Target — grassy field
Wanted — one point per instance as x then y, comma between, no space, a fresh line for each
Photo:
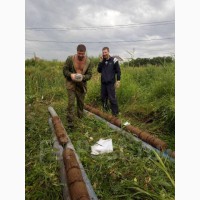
146,99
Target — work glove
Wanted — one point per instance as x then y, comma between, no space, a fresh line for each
117,84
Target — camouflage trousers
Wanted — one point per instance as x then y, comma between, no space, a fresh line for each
76,94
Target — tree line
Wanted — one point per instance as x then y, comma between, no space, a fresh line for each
138,62
156,61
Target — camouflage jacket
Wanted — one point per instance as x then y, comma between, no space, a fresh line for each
69,69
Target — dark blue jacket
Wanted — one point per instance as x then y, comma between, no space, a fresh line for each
108,69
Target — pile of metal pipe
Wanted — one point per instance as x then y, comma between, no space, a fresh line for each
144,136
78,185
59,130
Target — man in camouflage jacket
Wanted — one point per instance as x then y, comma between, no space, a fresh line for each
77,71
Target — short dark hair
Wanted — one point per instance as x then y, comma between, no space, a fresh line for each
106,48
81,47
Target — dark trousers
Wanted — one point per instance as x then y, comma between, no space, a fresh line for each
108,93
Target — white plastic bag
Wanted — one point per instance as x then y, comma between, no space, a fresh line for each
126,123
102,146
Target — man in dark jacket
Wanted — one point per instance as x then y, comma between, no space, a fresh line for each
77,71
110,79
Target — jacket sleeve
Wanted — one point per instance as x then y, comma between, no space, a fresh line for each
88,74
66,68
117,70
99,69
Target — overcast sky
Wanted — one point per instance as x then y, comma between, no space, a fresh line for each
130,28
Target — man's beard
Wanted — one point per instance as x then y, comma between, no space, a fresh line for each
80,58
105,57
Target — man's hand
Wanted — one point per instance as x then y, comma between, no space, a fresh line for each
101,58
117,84
73,77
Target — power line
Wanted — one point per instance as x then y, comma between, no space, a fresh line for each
101,27
136,51
98,41
149,49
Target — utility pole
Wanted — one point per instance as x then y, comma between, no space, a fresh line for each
131,53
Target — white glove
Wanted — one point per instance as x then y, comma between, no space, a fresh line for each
117,84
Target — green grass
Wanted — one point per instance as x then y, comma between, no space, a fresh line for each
129,172
145,94
118,175
42,179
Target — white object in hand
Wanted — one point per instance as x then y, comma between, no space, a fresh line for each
78,77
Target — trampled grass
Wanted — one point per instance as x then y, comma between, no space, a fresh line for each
119,175
127,173
146,98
